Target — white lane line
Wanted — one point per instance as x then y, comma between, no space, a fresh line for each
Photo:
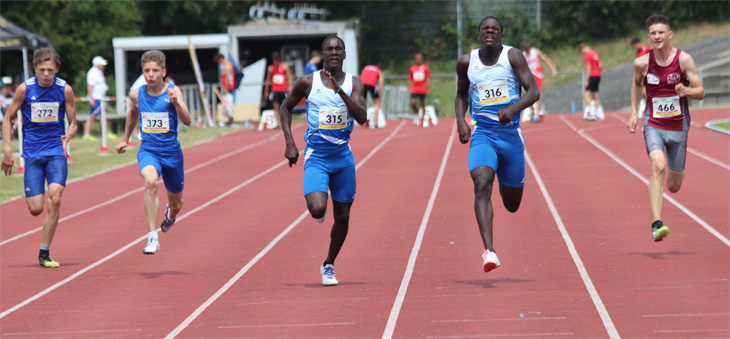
287,325
567,122
266,249
139,189
504,335
74,332
138,240
646,182
694,151
498,319
605,317
684,315
398,304
725,330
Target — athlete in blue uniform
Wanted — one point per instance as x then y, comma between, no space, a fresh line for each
334,100
44,101
490,82
157,106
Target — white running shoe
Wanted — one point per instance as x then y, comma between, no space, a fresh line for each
320,220
490,260
166,222
328,275
153,245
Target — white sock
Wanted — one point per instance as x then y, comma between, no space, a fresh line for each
152,235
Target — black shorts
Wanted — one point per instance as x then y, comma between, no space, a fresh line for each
593,84
418,96
372,90
277,97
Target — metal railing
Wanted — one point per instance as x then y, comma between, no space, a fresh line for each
191,95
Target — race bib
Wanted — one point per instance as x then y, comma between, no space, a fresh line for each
332,117
158,122
652,79
493,92
278,79
664,107
419,76
44,111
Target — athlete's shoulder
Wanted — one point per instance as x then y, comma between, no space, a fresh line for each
60,82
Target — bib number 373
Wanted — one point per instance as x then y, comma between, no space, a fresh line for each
44,111
332,117
157,122
664,107
493,92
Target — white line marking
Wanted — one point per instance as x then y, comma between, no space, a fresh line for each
684,315
113,200
605,317
529,335
289,325
75,332
266,250
497,319
708,158
693,331
646,182
140,239
395,311
567,122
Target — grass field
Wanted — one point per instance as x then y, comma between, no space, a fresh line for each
613,53
724,126
89,161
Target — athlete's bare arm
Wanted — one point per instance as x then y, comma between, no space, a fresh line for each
697,92
176,99
381,82
301,89
547,60
461,102
10,114
132,120
70,106
641,65
267,84
532,94
355,102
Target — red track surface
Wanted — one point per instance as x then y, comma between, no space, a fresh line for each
241,225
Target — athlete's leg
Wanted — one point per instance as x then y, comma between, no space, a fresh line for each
174,200
511,197
276,113
676,154
339,229
55,191
317,204
414,107
674,180
151,202
376,103
422,99
89,123
35,204
658,171
483,178
597,99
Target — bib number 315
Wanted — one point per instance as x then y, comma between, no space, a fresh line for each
333,117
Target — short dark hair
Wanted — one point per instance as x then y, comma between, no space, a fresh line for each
217,57
657,19
635,40
330,37
275,55
46,54
501,28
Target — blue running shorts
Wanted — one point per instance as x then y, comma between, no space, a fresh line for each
502,149
168,163
95,109
333,168
52,168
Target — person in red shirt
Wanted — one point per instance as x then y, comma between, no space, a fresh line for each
279,82
593,69
671,79
419,81
641,49
372,80
228,81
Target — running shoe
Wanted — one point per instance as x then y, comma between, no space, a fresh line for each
320,220
660,233
89,138
490,260
328,275
166,222
46,261
111,136
153,245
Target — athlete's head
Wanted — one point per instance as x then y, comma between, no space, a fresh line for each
316,57
583,48
636,43
46,63
659,31
153,67
490,31
418,58
218,58
333,52
275,57
526,46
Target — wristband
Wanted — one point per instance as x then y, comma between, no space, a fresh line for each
338,90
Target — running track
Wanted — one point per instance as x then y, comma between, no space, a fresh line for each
242,261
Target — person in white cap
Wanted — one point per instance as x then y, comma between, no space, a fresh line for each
96,86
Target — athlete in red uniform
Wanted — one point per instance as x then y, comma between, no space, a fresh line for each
641,49
593,70
533,56
419,81
373,80
278,83
671,78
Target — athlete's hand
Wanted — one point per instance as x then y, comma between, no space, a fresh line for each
632,122
506,114
333,83
64,141
120,147
8,163
173,96
464,131
555,73
681,89
291,153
